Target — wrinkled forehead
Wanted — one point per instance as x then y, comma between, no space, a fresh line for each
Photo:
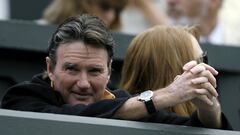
80,49
84,43
81,46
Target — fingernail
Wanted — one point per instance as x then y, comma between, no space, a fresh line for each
192,71
184,67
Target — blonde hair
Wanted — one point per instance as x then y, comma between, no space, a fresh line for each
59,10
155,57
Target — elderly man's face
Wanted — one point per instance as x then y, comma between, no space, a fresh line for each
81,72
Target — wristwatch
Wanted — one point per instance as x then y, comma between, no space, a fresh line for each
146,97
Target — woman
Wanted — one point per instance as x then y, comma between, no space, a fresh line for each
156,56
108,10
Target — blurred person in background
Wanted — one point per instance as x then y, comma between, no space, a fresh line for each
204,13
108,10
140,15
4,10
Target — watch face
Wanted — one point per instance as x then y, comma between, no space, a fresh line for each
146,96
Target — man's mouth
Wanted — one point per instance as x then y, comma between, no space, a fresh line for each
82,95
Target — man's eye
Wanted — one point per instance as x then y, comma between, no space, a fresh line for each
96,71
71,69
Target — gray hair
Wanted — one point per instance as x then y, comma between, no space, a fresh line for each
85,28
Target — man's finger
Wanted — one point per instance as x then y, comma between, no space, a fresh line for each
205,99
210,89
197,69
189,65
199,80
210,77
192,64
211,69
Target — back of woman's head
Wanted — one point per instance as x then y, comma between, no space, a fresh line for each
155,57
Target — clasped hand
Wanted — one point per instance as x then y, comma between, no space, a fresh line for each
197,84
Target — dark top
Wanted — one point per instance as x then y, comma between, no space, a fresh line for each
38,96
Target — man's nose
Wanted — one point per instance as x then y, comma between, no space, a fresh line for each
83,81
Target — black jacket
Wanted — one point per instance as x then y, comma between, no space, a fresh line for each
38,96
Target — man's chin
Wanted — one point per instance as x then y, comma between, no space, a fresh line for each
84,102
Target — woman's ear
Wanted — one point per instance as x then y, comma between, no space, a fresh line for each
49,68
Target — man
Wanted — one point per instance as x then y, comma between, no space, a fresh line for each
79,68
205,14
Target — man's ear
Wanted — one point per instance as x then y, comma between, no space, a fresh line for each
109,69
49,68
